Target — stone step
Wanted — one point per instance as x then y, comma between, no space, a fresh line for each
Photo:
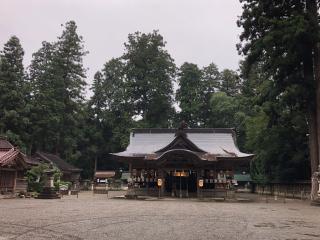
315,203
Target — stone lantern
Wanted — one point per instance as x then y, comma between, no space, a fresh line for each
48,191
315,191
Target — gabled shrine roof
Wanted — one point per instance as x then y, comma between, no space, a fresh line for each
10,156
56,160
5,144
217,142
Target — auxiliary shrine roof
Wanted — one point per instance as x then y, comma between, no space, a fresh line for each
55,160
207,143
9,155
5,145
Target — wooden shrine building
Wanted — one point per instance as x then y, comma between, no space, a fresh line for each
13,165
70,173
182,162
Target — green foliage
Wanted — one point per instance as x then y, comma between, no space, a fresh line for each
282,157
36,176
109,112
211,78
132,91
230,82
150,72
224,109
189,94
279,38
277,42
14,107
210,83
57,76
62,185
276,131
196,88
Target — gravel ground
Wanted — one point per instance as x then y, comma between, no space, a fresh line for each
97,217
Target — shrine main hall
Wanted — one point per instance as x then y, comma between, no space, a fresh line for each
184,162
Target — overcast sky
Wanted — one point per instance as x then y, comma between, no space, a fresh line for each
198,31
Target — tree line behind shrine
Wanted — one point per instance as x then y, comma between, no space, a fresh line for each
43,107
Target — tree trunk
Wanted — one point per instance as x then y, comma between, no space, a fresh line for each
312,111
314,187
317,80
315,162
313,141
95,165
312,12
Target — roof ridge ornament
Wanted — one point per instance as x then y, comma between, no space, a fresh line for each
181,129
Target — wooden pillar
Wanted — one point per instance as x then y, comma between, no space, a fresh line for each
198,178
95,165
146,179
180,191
187,182
15,181
162,176
130,169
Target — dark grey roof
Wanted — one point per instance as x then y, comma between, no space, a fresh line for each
217,141
4,144
32,161
187,130
57,161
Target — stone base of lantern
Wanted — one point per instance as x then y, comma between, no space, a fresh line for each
315,202
48,193
315,188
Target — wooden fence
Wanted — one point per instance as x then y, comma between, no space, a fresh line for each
299,190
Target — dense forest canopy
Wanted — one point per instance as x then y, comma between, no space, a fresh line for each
269,100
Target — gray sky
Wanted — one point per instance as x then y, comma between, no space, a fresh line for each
198,31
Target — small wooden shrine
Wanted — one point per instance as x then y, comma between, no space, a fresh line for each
13,166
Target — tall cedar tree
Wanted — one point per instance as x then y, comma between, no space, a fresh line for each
118,103
283,35
189,95
110,112
196,87
14,94
44,114
150,72
210,83
230,82
93,141
275,131
110,105
58,75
